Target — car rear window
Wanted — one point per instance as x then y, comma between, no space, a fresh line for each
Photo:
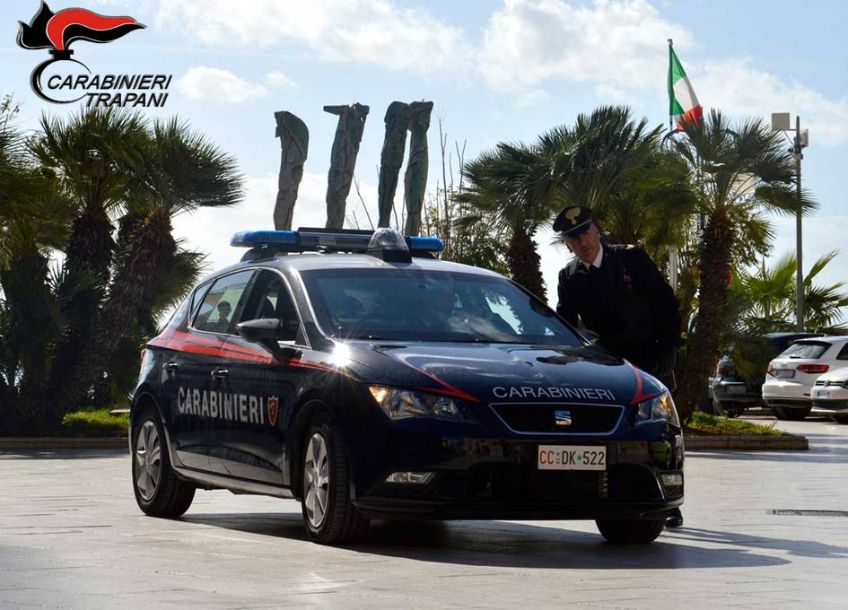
805,349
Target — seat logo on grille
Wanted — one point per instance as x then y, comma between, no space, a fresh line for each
562,418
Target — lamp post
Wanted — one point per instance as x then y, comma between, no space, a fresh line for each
780,122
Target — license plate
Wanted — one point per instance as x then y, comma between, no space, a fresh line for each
821,393
571,457
784,373
736,389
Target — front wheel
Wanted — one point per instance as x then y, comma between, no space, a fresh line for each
630,531
331,517
791,413
158,491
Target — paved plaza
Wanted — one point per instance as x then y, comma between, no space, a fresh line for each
72,537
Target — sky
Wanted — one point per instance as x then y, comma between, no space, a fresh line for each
496,71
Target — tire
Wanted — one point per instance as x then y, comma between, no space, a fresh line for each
329,513
158,491
630,531
790,413
840,419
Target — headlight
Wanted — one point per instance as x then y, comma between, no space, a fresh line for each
402,404
658,409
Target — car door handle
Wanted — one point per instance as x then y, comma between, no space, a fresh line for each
220,373
171,367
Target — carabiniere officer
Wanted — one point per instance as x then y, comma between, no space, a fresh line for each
618,293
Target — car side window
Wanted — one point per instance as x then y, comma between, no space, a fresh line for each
270,298
217,311
843,353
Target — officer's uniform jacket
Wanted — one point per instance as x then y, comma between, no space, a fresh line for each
626,301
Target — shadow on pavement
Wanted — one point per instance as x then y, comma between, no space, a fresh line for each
521,545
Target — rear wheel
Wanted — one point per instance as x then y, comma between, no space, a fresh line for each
158,491
840,419
630,531
791,413
331,517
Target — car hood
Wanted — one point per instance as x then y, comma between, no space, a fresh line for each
507,373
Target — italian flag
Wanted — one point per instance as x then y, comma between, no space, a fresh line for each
683,103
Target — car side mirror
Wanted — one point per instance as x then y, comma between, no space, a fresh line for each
261,330
267,332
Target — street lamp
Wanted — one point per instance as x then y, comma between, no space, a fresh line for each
780,122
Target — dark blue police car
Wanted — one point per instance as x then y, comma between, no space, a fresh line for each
368,379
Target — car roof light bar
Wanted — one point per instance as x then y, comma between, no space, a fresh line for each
312,239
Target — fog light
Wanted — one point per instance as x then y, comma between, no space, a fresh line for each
410,478
672,479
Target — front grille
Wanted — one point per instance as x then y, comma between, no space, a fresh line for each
541,418
820,382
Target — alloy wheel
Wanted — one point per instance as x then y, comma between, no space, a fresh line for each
148,460
316,480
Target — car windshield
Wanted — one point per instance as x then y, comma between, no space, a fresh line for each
805,349
419,305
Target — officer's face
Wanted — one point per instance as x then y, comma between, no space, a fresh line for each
586,245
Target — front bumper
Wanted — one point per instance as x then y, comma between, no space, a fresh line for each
499,479
830,406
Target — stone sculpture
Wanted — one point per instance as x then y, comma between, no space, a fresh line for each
294,142
343,159
391,159
415,179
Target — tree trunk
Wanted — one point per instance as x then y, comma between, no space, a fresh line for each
702,349
524,262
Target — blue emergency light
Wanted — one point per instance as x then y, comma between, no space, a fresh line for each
388,244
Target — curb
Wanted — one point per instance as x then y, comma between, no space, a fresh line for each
63,442
785,442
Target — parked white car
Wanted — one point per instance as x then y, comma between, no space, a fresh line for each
790,376
830,395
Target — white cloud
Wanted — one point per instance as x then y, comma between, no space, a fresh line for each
209,229
738,88
218,86
369,31
279,80
613,43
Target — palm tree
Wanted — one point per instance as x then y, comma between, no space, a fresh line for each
613,164
173,171
511,189
768,295
84,153
33,217
745,171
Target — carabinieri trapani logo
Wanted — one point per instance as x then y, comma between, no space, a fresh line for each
63,80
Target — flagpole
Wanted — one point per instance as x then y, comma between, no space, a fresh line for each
673,261
670,117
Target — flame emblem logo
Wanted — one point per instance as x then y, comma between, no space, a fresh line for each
572,215
273,409
57,31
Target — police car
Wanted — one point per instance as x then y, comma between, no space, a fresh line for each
365,377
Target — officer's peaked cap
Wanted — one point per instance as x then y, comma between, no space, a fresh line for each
573,220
